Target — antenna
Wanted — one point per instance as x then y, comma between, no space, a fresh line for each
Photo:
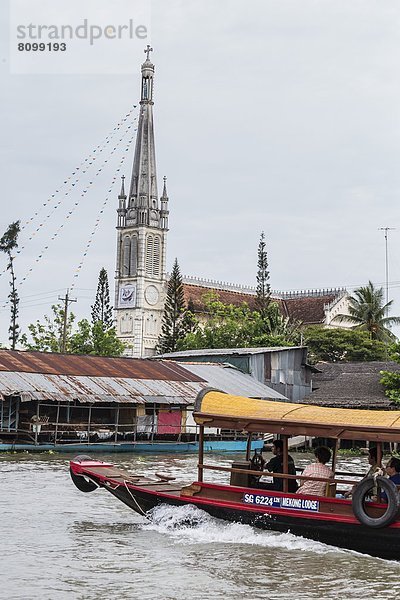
386,229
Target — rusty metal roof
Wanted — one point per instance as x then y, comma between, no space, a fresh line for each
171,383
92,366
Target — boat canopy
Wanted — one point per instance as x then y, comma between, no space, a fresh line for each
214,408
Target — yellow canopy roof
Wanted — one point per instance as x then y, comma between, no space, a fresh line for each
217,409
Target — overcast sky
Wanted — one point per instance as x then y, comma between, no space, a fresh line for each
280,116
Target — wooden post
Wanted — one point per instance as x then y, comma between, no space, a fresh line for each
201,453
116,424
88,424
135,426
285,440
154,423
248,447
57,420
335,454
37,423
379,453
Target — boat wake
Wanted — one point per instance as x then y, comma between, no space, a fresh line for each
191,525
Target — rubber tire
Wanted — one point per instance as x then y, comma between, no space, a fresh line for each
393,506
80,482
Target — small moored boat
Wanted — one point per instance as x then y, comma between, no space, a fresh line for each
365,523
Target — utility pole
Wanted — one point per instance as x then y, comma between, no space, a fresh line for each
67,301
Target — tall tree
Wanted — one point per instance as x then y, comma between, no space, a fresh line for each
48,336
230,326
102,309
86,338
177,321
340,344
367,313
263,287
8,243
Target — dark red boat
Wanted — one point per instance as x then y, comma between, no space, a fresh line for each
360,524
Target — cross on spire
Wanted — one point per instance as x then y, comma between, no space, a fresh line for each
147,51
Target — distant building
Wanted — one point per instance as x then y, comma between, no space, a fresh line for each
140,278
283,369
351,385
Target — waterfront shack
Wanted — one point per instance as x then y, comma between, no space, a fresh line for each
285,369
58,399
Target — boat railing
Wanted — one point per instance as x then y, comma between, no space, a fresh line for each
284,476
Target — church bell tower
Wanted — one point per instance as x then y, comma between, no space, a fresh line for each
142,225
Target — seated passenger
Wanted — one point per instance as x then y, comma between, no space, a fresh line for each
275,465
317,469
375,467
393,471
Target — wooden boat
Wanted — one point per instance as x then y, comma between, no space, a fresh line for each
360,524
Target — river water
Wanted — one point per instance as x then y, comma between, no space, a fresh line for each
58,543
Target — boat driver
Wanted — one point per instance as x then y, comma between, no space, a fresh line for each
275,465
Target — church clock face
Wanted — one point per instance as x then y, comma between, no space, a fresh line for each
151,294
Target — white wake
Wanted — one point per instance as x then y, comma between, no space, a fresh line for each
191,525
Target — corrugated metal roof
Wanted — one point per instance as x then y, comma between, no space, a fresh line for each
228,378
36,386
96,389
228,351
90,366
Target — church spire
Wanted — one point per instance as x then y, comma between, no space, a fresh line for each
164,212
143,195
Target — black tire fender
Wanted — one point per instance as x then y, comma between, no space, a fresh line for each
84,485
363,489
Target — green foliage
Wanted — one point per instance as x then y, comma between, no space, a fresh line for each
391,380
177,321
350,452
89,338
230,326
391,383
8,243
93,338
102,309
367,313
47,336
340,344
263,287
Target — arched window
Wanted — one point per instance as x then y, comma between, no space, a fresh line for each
156,256
133,257
126,256
149,255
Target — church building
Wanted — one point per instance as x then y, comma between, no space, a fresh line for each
142,225
141,279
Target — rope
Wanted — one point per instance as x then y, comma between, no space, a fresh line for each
141,511
84,192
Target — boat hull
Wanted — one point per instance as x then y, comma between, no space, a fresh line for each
327,520
382,543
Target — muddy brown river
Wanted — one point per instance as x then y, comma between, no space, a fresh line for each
58,543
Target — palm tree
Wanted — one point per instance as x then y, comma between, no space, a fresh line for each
367,312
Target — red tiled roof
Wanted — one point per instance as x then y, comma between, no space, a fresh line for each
195,294
307,309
